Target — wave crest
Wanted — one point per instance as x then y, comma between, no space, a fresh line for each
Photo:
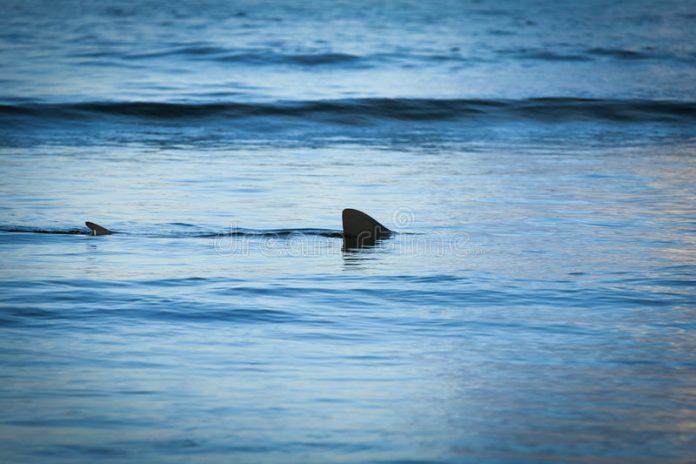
368,110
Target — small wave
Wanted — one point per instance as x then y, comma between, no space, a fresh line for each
620,54
44,230
594,54
362,111
266,57
202,50
272,233
324,58
545,55
307,59
249,57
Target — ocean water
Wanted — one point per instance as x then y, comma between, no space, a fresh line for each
537,161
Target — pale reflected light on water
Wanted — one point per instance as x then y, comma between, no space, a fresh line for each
552,313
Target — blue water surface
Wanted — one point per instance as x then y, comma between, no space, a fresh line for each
537,161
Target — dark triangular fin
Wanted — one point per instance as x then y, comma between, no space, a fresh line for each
359,229
96,229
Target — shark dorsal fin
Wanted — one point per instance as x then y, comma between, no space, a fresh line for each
362,227
96,229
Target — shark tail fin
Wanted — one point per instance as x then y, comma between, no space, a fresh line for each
96,229
360,229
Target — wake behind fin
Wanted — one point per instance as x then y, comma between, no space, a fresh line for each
96,229
360,229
